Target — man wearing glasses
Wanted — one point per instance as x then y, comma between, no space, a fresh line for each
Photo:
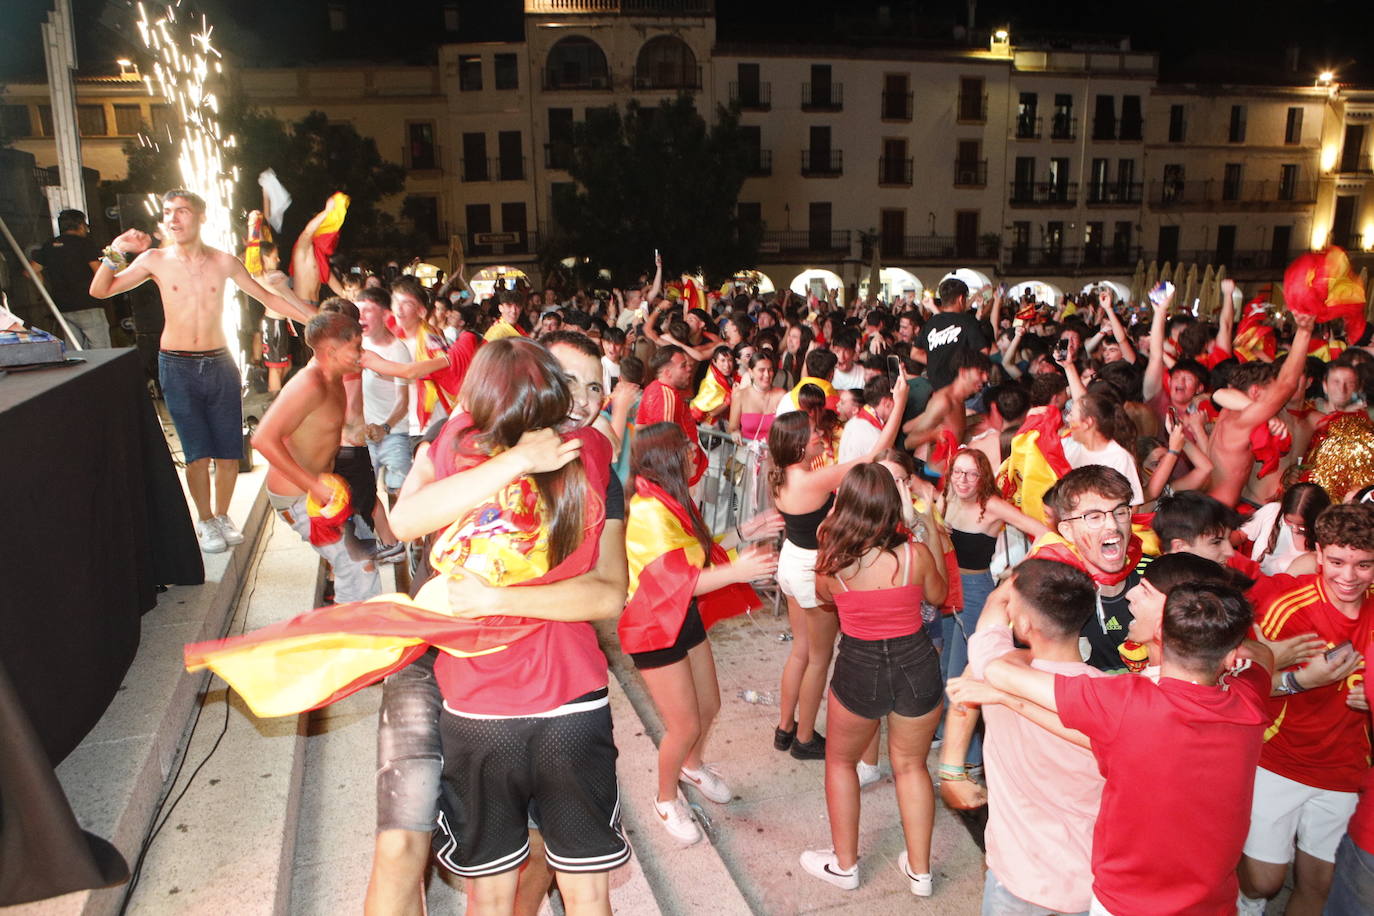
1093,508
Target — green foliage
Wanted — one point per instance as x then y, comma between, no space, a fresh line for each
654,178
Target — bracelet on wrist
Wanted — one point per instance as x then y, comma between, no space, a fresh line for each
1174,451
114,258
1290,682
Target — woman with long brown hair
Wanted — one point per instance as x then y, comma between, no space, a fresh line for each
877,575
803,495
670,548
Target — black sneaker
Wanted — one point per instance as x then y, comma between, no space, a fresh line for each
809,750
783,740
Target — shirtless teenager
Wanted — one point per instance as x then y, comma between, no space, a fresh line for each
299,436
1231,451
943,420
305,271
200,382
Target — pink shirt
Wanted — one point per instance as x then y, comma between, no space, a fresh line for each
1043,795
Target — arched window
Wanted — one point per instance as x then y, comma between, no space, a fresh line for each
576,62
666,62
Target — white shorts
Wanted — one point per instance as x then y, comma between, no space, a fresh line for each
797,574
1285,810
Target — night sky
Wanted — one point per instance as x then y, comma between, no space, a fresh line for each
1197,40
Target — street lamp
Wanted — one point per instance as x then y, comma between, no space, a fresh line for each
127,69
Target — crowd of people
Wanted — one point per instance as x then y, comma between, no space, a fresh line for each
1112,559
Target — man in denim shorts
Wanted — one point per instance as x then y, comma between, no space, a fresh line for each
200,381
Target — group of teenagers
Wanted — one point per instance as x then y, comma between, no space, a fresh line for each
1074,554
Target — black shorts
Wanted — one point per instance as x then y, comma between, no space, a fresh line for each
880,676
276,346
354,464
692,634
557,771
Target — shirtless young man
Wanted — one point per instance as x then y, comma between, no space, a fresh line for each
305,271
200,382
943,420
1231,451
299,436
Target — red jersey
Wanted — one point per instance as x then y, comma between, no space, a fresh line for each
1314,738
662,403
1362,824
1175,851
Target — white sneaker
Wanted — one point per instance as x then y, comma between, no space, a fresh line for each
231,534
821,863
921,885
677,819
209,536
868,774
709,783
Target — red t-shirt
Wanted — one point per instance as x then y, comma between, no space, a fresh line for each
1172,824
662,403
1314,738
1362,824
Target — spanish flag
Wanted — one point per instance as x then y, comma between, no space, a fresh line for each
326,654
438,389
1052,546
258,232
1035,462
665,559
326,237
714,392
1323,284
1254,338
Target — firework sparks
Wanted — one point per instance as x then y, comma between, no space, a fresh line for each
186,67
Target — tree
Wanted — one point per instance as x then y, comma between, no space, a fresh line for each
654,178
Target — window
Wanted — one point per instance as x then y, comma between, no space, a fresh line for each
1235,133
751,93
895,166
1023,185
1020,242
1173,183
758,164
163,121
506,71
128,120
1343,220
1125,181
1226,244
90,120
1279,245
896,97
1097,181
45,120
1230,181
1351,148
822,93
511,162
1027,123
1166,249
1121,241
577,62
1104,118
423,210
892,226
818,226
475,158
972,101
970,171
966,233
1093,234
666,62
1292,128
14,122
1288,182
451,17
420,146
338,17
1054,241
1132,125
1176,125
478,218
820,159
559,151
562,195
513,221
470,73
1063,127
1059,179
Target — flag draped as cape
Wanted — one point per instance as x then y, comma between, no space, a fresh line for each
326,237
714,392
1036,460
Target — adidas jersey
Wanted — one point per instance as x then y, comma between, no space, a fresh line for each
1313,737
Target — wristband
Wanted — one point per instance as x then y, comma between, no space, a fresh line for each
1290,682
116,268
1174,451
113,258
387,428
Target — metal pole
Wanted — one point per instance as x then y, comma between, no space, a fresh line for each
59,52
33,275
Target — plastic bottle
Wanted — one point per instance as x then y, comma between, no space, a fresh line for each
758,697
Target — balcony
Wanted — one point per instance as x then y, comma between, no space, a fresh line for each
789,241
489,243
1090,258
896,106
667,79
421,158
824,163
575,82
822,97
752,96
1044,194
973,109
1242,259
1028,127
494,169
1063,127
558,155
760,163
1114,194
622,7
936,248
894,171
970,173
1232,195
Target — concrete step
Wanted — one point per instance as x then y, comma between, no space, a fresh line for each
116,777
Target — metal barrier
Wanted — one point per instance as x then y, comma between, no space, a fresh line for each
734,489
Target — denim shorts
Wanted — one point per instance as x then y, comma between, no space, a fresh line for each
875,677
205,398
410,759
1352,888
391,459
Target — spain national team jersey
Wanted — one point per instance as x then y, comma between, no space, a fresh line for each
1313,737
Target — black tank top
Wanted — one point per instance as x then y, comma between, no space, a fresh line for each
973,549
801,529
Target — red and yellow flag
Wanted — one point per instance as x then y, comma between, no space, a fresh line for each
1323,284
437,390
665,559
1254,338
1035,462
713,393
326,237
1052,546
258,232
